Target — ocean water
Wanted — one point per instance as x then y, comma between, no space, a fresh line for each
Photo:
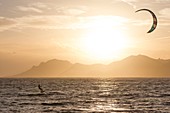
85,95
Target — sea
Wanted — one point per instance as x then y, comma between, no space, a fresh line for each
85,95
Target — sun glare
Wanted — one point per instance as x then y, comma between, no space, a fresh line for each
103,40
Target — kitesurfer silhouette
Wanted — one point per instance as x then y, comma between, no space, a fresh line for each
39,87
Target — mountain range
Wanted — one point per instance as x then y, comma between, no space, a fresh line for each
132,66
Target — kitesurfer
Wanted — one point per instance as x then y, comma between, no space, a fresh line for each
39,87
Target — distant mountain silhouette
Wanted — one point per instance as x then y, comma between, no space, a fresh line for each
132,66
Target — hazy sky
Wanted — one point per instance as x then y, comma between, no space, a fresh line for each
85,31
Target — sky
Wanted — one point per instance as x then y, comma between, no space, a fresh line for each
84,31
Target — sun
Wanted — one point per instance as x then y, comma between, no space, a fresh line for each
103,41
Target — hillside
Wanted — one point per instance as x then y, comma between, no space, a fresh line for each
132,66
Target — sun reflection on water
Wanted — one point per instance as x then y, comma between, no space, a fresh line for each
104,102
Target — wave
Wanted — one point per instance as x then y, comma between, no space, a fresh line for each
31,94
41,94
57,103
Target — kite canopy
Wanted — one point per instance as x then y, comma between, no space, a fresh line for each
154,19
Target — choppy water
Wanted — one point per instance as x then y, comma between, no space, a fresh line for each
85,96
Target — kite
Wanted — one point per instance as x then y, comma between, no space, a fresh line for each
154,19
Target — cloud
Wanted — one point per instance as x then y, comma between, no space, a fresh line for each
7,23
130,2
59,22
74,11
91,22
151,4
39,22
68,22
165,12
29,9
46,22
38,5
162,1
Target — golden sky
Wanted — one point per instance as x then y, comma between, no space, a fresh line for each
84,31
